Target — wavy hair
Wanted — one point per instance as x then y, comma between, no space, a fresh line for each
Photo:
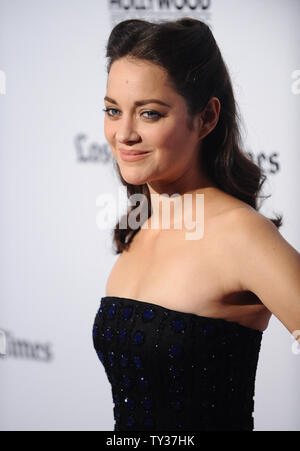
187,50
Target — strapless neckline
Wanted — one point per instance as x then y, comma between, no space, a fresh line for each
194,315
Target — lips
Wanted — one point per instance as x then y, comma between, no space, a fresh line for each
133,152
133,155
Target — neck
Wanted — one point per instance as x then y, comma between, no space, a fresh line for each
173,210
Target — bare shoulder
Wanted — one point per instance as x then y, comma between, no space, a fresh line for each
246,226
244,217
245,231
238,232
232,240
264,263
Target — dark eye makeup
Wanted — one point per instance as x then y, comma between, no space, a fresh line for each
154,114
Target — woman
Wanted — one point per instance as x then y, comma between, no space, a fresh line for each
180,327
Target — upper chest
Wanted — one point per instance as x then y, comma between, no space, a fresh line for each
160,267
193,276
168,269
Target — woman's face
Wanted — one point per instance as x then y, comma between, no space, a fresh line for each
144,113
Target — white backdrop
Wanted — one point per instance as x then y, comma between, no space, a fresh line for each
54,260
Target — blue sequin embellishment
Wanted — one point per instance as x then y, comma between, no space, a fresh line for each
130,420
175,371
174,350
127,312
147,403
111,357
95,331
108,334
208,330
124,360
178,424
139,337
112,311
183,356
178,325
148,422
127,381
123,335
100,355
138,362
149,314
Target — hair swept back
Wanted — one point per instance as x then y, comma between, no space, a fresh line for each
187,50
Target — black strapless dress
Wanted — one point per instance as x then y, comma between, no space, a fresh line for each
173,371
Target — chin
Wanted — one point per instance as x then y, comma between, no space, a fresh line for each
134,180
132,176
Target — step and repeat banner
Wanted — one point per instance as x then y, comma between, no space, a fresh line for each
55,163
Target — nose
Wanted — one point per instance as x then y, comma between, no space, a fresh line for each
126,131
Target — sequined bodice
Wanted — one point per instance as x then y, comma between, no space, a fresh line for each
171,370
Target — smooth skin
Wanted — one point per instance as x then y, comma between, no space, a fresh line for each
242,251
165,131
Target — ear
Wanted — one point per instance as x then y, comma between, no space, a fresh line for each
208,118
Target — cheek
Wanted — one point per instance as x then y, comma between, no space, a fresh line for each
108,130
170,137
109,133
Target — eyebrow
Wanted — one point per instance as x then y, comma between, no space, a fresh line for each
140,102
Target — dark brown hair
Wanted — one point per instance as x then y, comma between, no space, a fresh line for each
187,50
